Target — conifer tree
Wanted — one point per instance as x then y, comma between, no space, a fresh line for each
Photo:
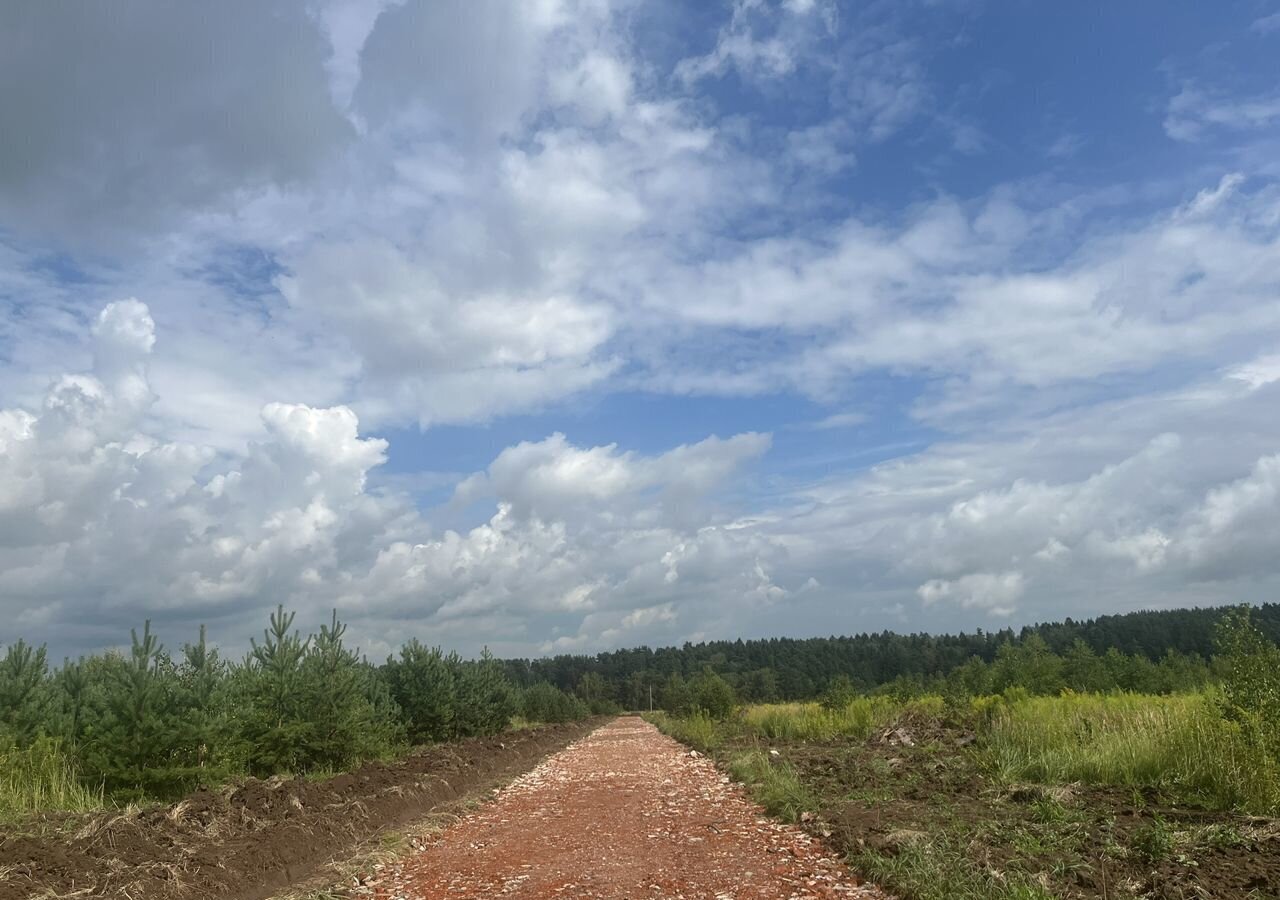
421,681
276,732
23,698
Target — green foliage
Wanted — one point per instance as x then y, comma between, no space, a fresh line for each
543,702
23,698
1251,681
421,682
143,726
840,693
712,695
1153,841
486,700
697,730
857,719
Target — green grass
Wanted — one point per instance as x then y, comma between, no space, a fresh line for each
773,783
698,731
812,722
41,778
937,868
1179,744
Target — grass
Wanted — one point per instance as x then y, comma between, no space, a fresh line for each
699,731
812,722
938,868
774,784
41,778
1179,744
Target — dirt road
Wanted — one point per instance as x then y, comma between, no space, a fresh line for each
623,813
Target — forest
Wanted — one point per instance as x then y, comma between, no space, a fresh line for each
1151,651
155,723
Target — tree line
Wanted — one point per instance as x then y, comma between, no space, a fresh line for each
156,723
150,723
1158,651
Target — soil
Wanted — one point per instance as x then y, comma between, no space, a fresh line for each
624,813
254,839
1075,841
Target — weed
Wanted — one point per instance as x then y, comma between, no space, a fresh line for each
1153,841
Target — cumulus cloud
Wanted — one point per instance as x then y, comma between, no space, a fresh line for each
101,517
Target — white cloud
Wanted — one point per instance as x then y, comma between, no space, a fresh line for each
1194,111
763,40
996,592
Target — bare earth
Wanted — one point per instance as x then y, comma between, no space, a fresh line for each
624,813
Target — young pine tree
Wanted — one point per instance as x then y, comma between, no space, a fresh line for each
339,690
421,682
24,698
275,729
200,721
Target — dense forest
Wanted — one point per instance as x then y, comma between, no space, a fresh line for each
153,723
1154,651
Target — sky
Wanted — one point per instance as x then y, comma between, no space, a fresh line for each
556,326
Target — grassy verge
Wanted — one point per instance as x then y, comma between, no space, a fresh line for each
40,778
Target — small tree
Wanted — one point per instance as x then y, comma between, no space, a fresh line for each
275,730
24,699
421,682
486,700
339,695
200,722
675,696
73,681
712,695
1251,681
840,693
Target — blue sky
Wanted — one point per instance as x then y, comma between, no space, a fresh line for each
573,324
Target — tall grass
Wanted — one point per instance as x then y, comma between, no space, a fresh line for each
1178,743
41,778
699,730
813,722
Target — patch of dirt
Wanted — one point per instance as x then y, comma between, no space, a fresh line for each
1077,841
253,839
624,813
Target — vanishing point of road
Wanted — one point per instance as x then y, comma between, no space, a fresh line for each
624,813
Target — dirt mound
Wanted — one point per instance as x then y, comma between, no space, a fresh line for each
251,840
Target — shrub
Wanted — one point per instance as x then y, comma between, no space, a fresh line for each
543,702
712,695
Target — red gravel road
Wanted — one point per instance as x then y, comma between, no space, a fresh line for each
624,813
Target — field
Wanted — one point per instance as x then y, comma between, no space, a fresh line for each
1076,796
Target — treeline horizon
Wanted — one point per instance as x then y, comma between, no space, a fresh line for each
152,723
783,668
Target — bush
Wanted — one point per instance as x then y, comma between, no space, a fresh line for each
1251,682
544,702
712,695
